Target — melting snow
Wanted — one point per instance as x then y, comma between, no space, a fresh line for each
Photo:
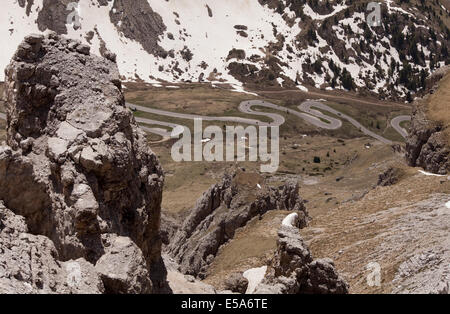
210,45
303,88
290,220
315,16
431,174
254,276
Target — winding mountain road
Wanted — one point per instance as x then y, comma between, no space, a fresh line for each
309,111
395,123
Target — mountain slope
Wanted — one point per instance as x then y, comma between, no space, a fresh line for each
265,43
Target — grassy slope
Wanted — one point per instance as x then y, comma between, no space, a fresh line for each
439,105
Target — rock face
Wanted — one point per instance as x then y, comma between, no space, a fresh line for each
77,167
169,227
223,209
389,177
426,145
29,263
136,20
293,270
53,16
123,268
236,282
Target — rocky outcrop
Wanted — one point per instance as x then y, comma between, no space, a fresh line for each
29,263
390,176
123,268
77,167
223,209
427,144
54,15
169,227
293,270
136,20
236,282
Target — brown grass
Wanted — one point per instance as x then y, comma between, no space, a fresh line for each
346,235
193,99
2,131
252,246
439,105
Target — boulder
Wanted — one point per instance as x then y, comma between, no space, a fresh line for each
123,268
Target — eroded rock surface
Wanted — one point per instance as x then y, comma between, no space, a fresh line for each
236,282
223,209
293,270
77,167
29,263
427,145
136,20
123,268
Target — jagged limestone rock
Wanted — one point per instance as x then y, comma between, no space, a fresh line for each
293,270
427,144
77,167
224,208
29,263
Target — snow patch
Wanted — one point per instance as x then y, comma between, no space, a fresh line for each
315,16
302,88
254,276
290,220
430,174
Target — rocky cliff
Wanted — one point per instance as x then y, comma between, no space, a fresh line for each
224,208
76,174
428,143
293,270
426,146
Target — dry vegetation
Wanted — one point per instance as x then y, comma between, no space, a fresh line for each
185,182
341,189
439,105
355,234
191,98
